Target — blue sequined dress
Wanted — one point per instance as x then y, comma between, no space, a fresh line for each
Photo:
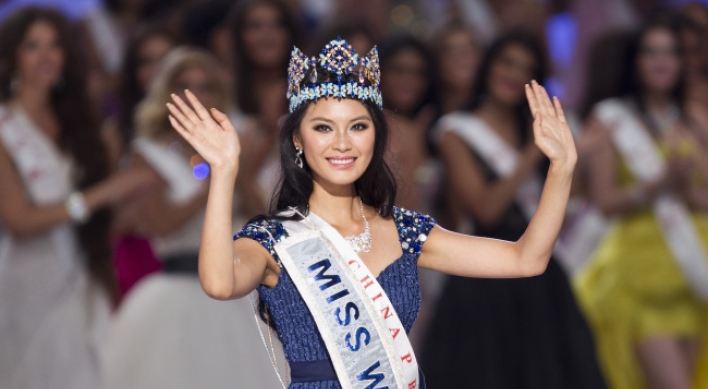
295,325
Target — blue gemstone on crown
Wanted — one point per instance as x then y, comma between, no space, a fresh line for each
339,59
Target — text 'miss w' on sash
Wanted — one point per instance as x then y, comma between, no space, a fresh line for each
363,334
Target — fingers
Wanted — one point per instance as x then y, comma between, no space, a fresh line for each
559,109
538,125
178,127
187,112
178,117
531,97
202,113
222,119
544,101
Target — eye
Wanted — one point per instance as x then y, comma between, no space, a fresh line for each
322,128
360,126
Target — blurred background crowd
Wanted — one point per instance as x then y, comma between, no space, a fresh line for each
106,295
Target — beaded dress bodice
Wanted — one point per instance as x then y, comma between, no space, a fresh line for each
292,319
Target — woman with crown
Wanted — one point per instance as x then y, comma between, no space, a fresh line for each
335,263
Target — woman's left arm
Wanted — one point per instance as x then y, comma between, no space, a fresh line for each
470,256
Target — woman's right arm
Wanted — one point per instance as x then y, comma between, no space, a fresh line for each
22,219
227,269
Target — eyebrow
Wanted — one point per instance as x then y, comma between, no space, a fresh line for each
331,121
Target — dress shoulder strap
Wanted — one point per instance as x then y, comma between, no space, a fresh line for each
265,231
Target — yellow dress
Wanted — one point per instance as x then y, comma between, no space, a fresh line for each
632,289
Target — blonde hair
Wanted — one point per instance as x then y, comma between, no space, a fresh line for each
151,115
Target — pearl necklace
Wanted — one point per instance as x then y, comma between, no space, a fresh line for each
361,242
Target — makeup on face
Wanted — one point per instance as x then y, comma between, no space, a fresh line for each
337,138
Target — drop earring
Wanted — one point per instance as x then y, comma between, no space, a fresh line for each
298,157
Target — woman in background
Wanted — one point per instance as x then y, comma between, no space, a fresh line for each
411,103
264,32
148,45
146,49
645,314
168,333
458,54
206,25
515,334
56,279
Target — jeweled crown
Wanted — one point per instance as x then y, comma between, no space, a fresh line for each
337,60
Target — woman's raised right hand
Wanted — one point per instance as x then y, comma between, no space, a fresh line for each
212,135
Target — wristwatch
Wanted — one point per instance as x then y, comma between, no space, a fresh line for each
76,207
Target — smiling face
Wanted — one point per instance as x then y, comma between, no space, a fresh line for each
40,56
337,138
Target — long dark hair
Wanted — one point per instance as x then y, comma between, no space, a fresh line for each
605,63
79,121
630,85
480,91
245,68
130,92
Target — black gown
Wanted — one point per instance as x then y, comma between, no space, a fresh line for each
522,333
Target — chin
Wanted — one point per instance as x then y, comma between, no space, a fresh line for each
510,100
664,87
338,179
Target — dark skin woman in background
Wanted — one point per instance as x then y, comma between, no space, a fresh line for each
514,334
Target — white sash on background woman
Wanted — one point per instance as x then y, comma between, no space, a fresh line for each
495,152
52,317
572,249
640,153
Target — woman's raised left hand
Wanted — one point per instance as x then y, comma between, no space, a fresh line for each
551,132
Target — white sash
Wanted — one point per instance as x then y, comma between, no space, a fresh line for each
638,150
495,152
365,339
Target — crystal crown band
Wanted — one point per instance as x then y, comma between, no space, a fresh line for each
337,60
